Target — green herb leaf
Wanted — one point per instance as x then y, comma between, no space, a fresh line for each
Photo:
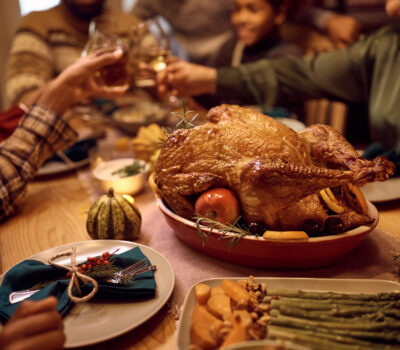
185,121
135,168
234,232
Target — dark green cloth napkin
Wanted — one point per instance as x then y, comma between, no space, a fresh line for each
376,149
77,152
30,272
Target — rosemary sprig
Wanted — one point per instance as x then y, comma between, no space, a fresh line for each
185,121
133,169
103,272
234,232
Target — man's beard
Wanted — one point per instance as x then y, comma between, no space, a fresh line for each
84,12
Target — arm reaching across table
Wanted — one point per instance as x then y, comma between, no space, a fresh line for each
42,131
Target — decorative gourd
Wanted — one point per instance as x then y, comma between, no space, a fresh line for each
114,217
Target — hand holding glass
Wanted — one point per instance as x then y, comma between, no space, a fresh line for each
150,51
114,77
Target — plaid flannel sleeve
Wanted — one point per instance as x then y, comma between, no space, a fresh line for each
40,133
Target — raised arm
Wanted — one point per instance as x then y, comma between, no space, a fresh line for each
42,131
338,75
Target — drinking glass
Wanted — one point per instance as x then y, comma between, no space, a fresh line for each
150,50
103,37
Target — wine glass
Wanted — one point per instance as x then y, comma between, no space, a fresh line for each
150,51
104,37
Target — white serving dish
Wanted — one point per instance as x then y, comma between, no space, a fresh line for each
123,185
367,286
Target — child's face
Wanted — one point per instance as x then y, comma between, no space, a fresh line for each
254,20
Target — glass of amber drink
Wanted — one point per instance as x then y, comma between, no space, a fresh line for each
102,39
150,51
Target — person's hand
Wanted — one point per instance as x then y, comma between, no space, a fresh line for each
36,325
393,8
76,82
184,78
343,30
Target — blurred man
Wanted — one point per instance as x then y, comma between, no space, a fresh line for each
84,10
48,41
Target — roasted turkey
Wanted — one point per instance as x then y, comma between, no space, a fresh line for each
275,172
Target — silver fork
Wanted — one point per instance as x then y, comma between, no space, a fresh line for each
133,270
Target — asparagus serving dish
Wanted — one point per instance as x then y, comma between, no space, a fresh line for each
311,313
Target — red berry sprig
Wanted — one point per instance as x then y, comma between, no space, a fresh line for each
92,262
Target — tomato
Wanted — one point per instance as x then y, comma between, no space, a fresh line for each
219,204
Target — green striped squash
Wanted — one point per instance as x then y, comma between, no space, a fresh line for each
114,217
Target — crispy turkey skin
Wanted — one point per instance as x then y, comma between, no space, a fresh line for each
275,172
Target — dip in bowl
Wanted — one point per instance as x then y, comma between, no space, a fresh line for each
125,175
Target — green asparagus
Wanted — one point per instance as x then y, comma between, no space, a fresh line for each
329,320
326,341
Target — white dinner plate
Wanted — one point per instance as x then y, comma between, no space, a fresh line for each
319,284
100,320
384,191
56,168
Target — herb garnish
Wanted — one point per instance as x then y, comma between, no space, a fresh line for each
133,169
185,122
234,232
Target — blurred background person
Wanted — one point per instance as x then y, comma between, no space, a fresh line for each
371,14
257,35
46,42
42,131
199,37
342,29
197,28
366,73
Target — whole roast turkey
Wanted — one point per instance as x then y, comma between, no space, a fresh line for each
275,172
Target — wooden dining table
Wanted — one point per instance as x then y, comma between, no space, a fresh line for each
53,213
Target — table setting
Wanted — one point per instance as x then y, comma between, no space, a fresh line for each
140,217
143,296
371,260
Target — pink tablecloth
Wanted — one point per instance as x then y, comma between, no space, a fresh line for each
371,260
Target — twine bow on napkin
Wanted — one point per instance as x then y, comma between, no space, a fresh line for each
31,272
75,277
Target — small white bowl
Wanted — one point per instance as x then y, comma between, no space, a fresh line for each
128,185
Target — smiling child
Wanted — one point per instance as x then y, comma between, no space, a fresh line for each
256,24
